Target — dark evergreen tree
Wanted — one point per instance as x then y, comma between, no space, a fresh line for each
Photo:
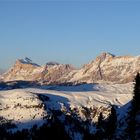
100,127
100,121
135,108
111,123
2,132
136,96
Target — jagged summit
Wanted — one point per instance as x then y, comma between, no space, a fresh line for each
103,56
106,54
26,60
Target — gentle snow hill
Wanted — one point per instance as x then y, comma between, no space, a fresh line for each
31,104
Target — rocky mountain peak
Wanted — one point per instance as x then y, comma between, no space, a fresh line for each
103,56
26,61
26,69
108,68
21,70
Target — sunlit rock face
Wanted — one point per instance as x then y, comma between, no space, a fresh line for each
25,69
105,68
108,68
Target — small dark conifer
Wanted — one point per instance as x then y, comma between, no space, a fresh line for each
135,108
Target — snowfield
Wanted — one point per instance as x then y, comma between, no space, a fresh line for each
29,106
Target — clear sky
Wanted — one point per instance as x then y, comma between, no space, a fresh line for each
67,31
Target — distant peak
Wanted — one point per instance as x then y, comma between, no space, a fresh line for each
52,63
107,54
27,60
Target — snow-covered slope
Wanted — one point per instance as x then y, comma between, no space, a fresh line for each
32,105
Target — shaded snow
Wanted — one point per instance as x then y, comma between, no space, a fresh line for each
23,105
27,60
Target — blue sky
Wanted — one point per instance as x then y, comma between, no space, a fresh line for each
72,32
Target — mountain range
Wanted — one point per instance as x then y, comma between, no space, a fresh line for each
58,101
105,68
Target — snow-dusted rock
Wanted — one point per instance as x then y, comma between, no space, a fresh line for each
25,69
107,68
